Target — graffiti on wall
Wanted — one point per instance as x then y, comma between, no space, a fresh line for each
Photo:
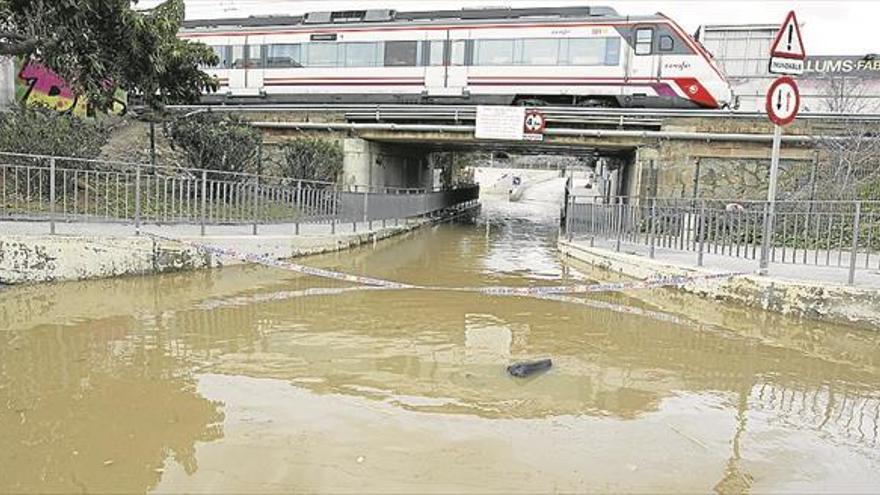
36,84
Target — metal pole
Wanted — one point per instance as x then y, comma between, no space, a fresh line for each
137,200
769,216
152,143
367,210
51,196
298,203
855,243
204,200
256,204
653,241
619,222
569,218
701,232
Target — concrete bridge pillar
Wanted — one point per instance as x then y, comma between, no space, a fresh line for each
381,164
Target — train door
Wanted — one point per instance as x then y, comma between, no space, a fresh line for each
445,71
246,78
256,64
643,65
237,74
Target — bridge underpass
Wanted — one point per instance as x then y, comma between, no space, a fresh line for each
673,156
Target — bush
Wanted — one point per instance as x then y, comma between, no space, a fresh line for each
312,159
214,142
40,130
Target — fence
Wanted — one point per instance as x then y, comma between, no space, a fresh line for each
60,189
843,234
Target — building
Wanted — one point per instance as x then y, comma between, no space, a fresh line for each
834,83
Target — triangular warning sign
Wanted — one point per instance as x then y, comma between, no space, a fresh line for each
788,43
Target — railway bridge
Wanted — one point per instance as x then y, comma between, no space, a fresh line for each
672,153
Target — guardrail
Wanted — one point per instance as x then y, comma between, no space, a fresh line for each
844,234
64,189
467,113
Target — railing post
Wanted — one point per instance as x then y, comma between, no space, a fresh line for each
855,243
653,235
204,206
766,238
137,200
701,232
335,214
619,222
569,218
51,196
367,210
256,202
298,203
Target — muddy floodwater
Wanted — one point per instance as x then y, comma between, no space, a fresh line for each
236,380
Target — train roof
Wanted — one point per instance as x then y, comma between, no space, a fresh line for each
393,17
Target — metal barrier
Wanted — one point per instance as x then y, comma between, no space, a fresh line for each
843,234
62,189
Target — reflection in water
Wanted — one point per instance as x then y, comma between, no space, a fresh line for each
245,379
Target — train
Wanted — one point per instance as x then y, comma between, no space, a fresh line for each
579,56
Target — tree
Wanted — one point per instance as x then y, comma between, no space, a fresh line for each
214,142
99,46
846,95
312,159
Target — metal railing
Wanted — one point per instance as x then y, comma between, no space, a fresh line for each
63,189
843,234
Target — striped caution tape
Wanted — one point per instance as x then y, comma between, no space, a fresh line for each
652,283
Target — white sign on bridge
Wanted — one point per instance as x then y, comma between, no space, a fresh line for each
502,123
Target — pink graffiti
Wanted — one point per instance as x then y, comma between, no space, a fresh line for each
45,86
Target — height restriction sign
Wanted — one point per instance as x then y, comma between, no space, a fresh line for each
783,101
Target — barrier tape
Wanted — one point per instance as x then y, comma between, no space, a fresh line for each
652,283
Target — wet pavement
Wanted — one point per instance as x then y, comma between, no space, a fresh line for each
230,380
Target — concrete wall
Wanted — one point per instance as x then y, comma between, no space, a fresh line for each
45,258
7,82
385,165
839,304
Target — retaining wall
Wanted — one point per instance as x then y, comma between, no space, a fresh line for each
46,258
818,301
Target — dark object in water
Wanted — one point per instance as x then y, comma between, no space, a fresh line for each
522,370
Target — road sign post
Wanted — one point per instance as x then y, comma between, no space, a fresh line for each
787,56
783,103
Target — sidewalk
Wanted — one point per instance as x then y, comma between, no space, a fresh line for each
818,293
820,274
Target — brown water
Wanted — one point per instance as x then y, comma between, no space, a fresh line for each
228,381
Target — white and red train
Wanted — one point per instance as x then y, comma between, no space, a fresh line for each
588,56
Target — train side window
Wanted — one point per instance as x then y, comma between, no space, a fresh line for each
401,53
586,51
283,56
322,55
255,57
458,57
539,52
361,54
238,59
644,41
493,52
223,57
612,51
436,53
667,44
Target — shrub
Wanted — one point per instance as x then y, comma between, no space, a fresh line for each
214,142
40,130
312,159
